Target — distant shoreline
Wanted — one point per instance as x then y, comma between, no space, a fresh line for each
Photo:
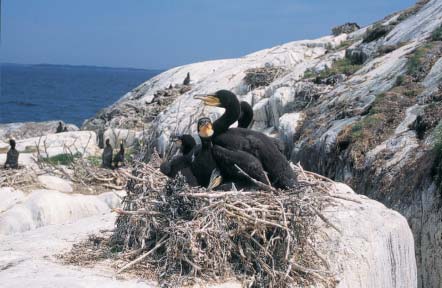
92,67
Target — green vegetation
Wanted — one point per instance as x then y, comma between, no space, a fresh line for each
437,164
399,80
344,44
376,32
309,73
415,62
341,66
94,160
437,34
62,159
369,123
438,139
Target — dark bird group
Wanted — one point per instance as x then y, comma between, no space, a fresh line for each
230,155
60,128
106,157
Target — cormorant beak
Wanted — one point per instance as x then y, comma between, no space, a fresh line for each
209,100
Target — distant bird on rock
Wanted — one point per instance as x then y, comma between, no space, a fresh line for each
119,157
12,156
187,79
106,157
59,128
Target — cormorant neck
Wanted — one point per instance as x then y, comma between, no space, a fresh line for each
231,114
246,115
206,142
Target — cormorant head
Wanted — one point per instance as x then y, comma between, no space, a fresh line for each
222,98
205,129
186,142
12,143
107,142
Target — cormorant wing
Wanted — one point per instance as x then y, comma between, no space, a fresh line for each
227,159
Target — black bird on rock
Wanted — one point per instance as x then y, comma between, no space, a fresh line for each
106,157
59,128
204,166
12,156
187,79
182,163
259,145
119,157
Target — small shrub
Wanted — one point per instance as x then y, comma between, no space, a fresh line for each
414,64
341,66
437,34
309,73
438,139
399,80
376,32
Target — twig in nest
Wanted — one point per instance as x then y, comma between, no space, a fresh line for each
139,259
260,185
323,218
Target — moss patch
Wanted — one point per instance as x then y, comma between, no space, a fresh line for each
437,34
62,159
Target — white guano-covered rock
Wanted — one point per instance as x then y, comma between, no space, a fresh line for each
55,183
9,197
49,207
83,142
375,247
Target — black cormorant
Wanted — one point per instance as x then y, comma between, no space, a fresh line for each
246,115
204,165
59,128
258,144
119,157
12,156
182,163
246,118
187,79
106,157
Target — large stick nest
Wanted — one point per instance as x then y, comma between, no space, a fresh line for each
263,76
182,234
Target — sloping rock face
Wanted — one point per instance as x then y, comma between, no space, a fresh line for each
366,253
369,103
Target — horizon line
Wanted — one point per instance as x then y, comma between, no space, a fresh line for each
81,65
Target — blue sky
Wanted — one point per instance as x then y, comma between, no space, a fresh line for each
167,33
